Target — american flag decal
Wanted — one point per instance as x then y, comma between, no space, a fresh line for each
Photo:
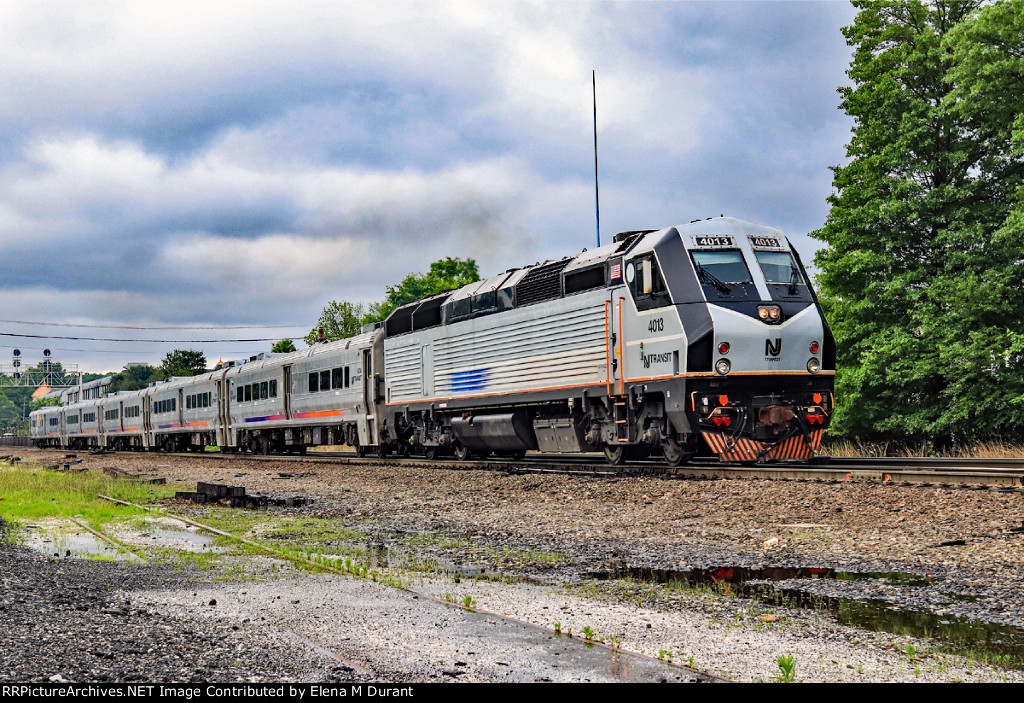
616,272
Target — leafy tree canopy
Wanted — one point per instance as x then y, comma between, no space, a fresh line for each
338,321
283,346
184,362
921,278
134,378
43,403
344,319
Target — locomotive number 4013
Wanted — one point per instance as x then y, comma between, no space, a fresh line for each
656,324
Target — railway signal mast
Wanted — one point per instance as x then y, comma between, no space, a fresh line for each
47,374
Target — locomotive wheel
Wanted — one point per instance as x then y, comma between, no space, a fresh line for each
430,452
615,454
461,452
674,454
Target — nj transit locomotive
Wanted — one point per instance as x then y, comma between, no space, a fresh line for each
704,337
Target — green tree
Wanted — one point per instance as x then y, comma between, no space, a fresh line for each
10,414
344,319
917,279
283,346
444,275
43,403
134,378
184,362
338,321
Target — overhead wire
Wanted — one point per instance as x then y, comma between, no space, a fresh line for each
156,327
147,341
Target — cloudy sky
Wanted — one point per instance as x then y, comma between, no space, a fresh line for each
223,164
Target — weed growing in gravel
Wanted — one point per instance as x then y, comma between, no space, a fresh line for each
787,669
588,632
558,627
468,602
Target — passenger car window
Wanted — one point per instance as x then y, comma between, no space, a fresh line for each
314,382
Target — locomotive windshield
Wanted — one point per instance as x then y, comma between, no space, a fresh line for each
779,267
725,266
782,275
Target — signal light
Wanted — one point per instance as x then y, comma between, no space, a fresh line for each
723,348
817,397
815,347
723,400
813,365
722,367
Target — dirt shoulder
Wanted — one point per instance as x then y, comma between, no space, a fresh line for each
598,524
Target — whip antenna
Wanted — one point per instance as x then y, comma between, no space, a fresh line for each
597,199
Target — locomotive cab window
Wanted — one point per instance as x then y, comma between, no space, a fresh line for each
646,283
723,273
782,274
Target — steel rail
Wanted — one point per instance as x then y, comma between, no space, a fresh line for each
893,471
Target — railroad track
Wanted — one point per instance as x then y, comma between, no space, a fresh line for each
1005,474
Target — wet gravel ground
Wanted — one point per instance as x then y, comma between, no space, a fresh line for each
601,524
77,620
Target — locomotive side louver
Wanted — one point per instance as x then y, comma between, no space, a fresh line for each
542,283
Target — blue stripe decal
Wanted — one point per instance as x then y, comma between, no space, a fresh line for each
466,381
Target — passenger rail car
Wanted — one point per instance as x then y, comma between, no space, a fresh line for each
700,338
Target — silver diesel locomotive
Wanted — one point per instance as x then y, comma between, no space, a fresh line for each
702,337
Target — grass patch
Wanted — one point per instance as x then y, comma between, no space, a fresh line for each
32,493
878,450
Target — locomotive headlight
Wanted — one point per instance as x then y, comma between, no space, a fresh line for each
769,314
723,367
813,365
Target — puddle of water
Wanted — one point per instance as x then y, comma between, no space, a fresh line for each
82,544
194,541
742,575
983,641
387,554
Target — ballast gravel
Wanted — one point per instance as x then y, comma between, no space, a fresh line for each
966,543
78,620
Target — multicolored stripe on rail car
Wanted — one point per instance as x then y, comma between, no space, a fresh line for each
264,418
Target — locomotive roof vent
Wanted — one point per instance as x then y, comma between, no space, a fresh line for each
622,236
